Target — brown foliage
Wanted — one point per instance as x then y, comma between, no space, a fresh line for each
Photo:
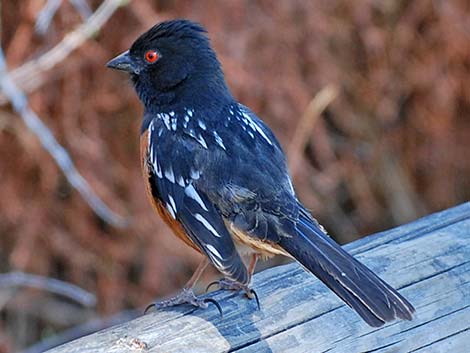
391,146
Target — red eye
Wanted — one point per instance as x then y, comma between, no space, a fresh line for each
151,56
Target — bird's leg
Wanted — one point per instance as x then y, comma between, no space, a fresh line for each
187,296
228,284
252,265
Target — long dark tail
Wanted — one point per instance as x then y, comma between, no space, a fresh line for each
373,299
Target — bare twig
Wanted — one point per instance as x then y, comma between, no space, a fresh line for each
45,15
21,279
306,123
50,8
59,153
29,76
82,7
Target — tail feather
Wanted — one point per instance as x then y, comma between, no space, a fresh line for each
373,299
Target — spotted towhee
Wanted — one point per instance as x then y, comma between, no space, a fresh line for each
217,175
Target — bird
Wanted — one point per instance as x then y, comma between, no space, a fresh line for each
217,175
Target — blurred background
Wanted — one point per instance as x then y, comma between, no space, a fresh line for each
370,100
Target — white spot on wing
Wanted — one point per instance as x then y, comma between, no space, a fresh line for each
150,149
256,127
172,202
158,170
170,210
215,259
219,140
186,121
192,133
201,140
263,134
214,251
291,186
152,154
202,124
169,175
198,138
207,224
194,174
192,193
180,181
166,119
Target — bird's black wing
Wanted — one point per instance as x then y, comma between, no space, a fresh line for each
173,180
247,179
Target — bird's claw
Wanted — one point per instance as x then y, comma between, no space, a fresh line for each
212,284
217,305
226,284
186,296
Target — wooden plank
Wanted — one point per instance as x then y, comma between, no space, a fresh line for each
428,260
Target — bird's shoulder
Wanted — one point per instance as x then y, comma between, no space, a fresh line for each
231,137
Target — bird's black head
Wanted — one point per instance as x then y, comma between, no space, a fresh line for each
173,63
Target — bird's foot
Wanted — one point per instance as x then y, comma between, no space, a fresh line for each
186,296
227,284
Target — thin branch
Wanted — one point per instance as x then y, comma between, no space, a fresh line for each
29,76
82,7
47,13
316,106
21,279
59,153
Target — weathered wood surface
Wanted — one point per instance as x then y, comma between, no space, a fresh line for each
427,260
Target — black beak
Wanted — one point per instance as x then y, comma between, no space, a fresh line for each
122,62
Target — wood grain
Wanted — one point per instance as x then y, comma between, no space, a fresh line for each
427,260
